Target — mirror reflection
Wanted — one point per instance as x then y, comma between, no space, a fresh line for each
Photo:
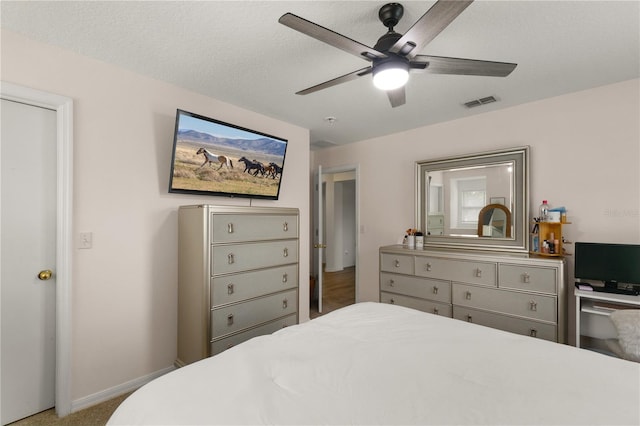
476,200
456,197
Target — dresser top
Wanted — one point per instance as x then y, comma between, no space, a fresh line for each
212,208
480,255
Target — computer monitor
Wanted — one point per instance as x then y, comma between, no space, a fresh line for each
612,264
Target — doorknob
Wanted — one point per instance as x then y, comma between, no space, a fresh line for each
319,246
45,275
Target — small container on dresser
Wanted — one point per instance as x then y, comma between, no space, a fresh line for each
510,291
237,276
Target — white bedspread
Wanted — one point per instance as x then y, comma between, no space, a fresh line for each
374,363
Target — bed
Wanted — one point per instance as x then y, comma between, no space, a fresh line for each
373,363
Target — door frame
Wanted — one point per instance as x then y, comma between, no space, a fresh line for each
64,230
318,216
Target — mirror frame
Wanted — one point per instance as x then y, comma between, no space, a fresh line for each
519,241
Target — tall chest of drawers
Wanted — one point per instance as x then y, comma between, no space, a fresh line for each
237,276
513,292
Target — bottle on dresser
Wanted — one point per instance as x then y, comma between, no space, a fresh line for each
544,211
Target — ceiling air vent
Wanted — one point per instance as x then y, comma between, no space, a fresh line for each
481,101
321,144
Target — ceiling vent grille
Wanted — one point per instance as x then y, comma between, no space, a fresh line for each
321,144
479,102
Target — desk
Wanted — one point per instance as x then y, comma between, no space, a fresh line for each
593,325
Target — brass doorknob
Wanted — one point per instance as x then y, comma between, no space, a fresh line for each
45,275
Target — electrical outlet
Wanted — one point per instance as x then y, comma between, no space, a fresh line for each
85,240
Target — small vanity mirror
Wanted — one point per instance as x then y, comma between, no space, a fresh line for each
476,201
494,221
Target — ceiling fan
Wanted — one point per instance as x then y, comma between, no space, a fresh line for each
394,55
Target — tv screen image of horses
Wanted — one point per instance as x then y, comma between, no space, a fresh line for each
215,158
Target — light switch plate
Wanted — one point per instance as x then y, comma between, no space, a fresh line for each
85,240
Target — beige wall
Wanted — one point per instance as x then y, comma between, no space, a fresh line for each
125,287
585,155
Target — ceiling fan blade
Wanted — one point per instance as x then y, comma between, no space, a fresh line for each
397,97
338,80
459,66
429,26
330,37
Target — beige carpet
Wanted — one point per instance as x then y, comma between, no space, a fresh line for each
92,416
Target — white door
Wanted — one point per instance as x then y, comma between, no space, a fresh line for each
319,238
28,251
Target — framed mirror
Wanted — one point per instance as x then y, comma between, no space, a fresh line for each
478,201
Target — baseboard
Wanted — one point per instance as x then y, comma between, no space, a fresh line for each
107,394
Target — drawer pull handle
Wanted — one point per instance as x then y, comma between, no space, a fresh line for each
230,320
230,289
285,303
397,263
230,228
285,227
533,306
435,311
478,273
469,318
285,252
435,290
533,332
427,267
467,295
285,278
391,283
526,278
392,301
230,345
230,259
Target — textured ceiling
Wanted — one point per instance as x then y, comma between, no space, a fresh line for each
237,52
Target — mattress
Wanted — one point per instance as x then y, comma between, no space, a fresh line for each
373,363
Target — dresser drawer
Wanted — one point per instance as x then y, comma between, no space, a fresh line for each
506,323
401,264
418,287
481,273
243,257
423,305
233,318
435,221
526,305
530,278
223,344
248,285
252,227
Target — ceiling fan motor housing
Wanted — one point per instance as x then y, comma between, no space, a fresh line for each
390,14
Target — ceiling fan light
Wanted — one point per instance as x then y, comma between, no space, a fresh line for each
392,77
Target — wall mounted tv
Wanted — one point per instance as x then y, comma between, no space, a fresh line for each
211,157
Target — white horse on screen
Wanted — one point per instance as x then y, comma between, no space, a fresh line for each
211,158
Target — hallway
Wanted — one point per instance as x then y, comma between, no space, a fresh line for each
339,290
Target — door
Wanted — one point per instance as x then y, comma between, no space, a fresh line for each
319,237
27,259
335,220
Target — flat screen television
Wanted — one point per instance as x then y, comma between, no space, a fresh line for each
610,263
211,157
